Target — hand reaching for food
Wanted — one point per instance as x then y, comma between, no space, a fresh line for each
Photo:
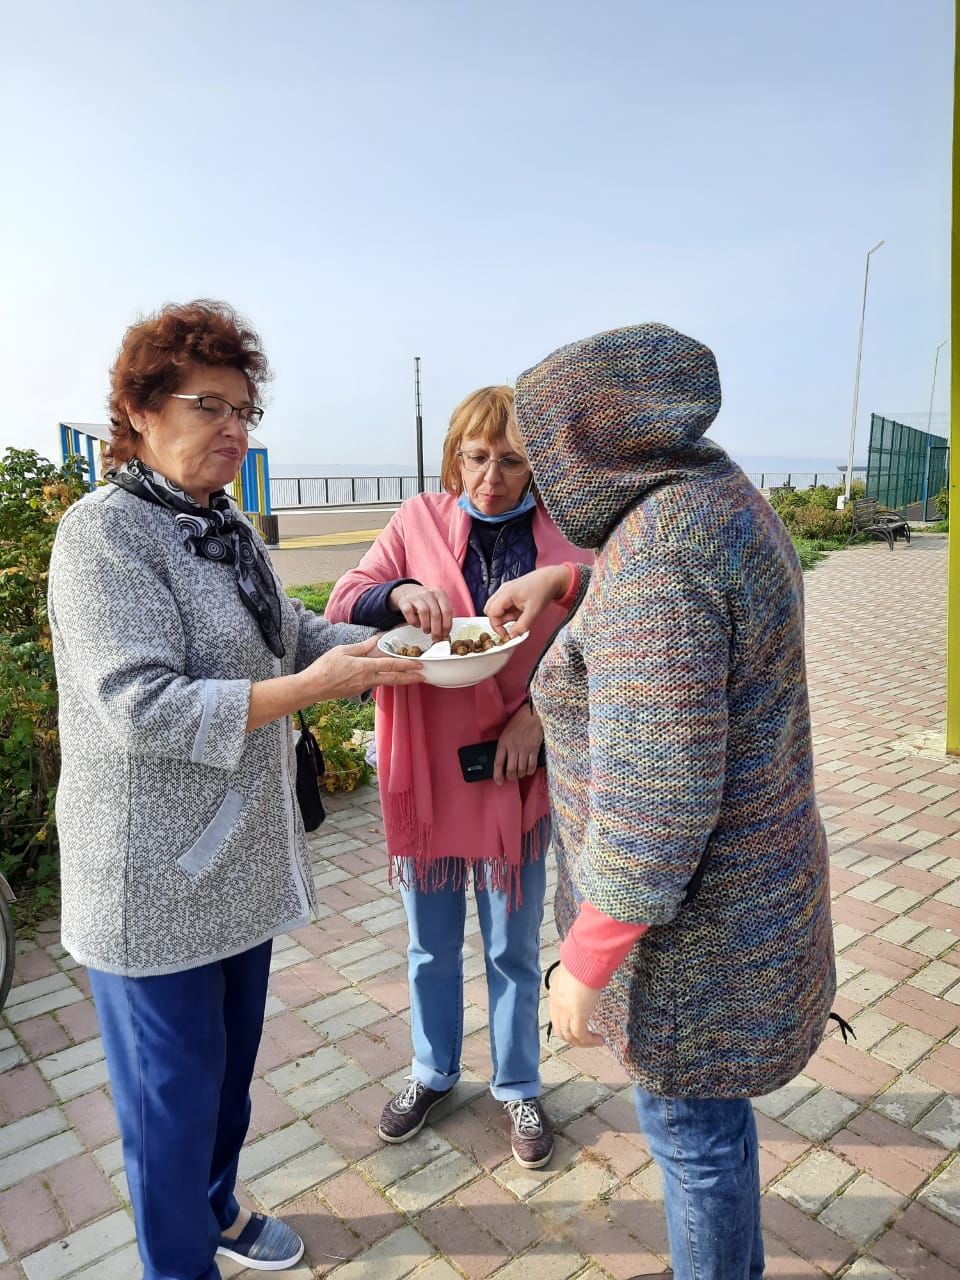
428,608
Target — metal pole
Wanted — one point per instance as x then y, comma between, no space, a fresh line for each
953,536
419,406
856,382
933,384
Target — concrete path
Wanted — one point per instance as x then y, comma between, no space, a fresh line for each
859,1153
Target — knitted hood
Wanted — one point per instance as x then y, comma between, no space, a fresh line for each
610,418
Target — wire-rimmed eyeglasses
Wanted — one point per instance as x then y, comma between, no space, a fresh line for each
511,465
219,410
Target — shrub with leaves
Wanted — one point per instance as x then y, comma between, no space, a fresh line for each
339,727
812,514
33,496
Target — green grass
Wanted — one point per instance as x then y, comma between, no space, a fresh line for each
314,595
811,550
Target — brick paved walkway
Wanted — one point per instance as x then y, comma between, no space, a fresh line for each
859,1153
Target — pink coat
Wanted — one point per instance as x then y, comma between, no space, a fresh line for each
431,816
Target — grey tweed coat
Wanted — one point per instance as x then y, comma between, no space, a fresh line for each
180,836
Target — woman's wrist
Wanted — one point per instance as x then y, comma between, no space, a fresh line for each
571,585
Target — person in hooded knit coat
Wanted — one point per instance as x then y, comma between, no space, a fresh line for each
692,892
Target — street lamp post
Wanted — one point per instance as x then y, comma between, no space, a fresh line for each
933,384
856,383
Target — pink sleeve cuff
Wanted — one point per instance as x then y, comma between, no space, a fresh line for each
597,945
568,597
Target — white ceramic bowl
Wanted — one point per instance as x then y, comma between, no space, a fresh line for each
440,666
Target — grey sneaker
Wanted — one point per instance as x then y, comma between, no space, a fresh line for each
532,1136
406,1114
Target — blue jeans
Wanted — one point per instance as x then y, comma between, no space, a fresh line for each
511,949
706,1149
180,1050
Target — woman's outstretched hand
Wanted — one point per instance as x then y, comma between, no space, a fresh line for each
428,608
350,669
524,599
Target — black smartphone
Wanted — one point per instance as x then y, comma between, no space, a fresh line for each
476,760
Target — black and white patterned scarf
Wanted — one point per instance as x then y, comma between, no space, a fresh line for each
214,533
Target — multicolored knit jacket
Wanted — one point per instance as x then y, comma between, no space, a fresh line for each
677,724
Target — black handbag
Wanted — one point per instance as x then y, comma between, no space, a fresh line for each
309,773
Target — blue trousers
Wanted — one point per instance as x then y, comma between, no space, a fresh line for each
180,1050
707,1151
511,950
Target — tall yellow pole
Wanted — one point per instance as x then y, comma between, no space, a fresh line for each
953,578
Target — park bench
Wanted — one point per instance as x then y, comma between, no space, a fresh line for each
869,518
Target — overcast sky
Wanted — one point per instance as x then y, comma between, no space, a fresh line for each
476,183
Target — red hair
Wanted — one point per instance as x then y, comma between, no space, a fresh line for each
156,351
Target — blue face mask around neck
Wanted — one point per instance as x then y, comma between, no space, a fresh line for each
526,503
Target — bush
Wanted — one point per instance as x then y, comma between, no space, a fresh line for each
942,503
812,513
341,728
33,496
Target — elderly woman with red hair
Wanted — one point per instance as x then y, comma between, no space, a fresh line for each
179,662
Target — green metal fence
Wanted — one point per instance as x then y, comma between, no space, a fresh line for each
906,468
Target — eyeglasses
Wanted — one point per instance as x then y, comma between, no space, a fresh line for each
509,466
217,409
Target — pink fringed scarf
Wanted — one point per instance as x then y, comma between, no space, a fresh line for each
438,826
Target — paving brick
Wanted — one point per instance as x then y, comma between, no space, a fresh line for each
32,1129
486,1146
390,1259
624,1154
79,1020
893,1154
612,1246
907,1099
464,1240
815,1181
42,1035
572,1191
368,1213
779,1140
296,1175
22,1164
862,1209
267,1153
80,1248
908,1258
942,1068
388,1164
343,1129
805,1236
425,1187
870,1269
328,1088
312,1066
821,1114
933,1232
23,1091
943,1192
942,1123
29,1216
328,1242
269,1111
81,1190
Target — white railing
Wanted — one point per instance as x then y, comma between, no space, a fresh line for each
288,492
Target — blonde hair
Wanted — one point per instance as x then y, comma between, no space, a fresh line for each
486,416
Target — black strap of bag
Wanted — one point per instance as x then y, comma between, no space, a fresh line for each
309,772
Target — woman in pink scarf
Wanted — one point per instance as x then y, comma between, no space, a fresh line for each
442,556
